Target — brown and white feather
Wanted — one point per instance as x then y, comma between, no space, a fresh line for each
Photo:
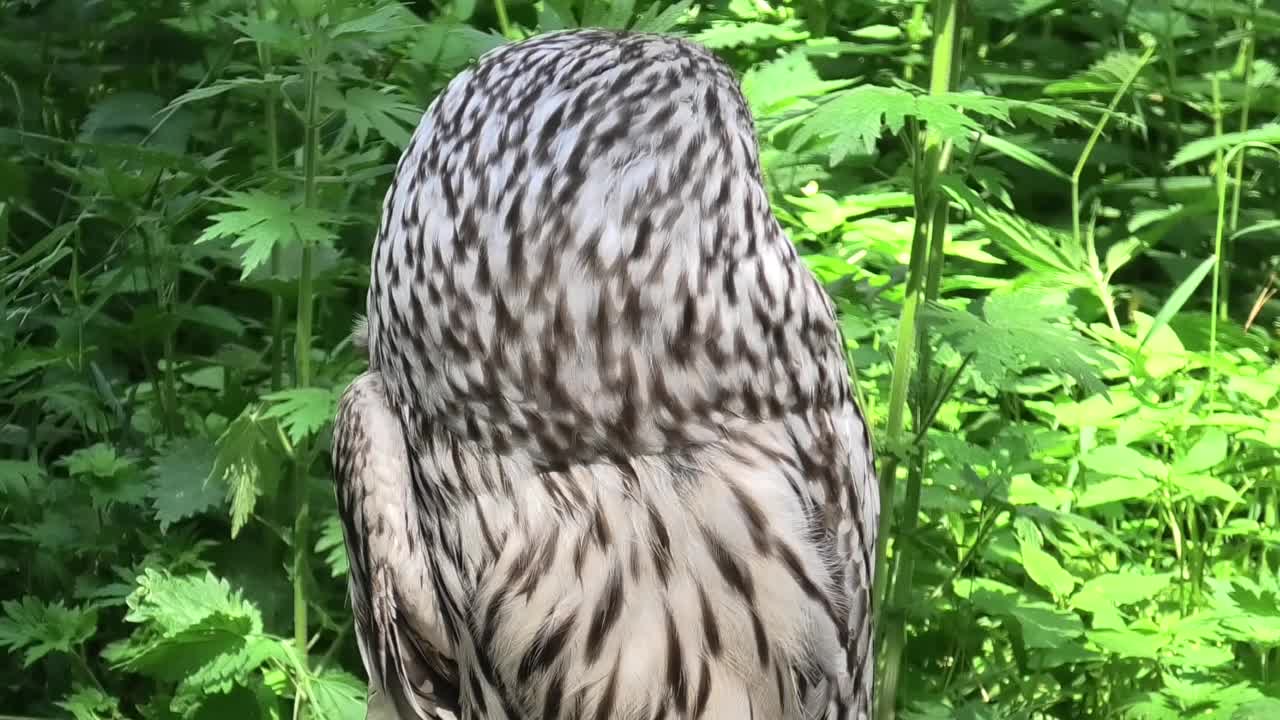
606,462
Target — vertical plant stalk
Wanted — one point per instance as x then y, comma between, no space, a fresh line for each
1219,233
302,357
273,162
1246,59
926,260
504,23
1087,245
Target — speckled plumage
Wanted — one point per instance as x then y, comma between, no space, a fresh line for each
606,462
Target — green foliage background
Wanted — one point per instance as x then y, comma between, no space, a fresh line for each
1051,229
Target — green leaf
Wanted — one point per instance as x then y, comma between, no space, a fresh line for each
1116,490
653,20
1018,331
1204,147
1121,461
1022,155
338,695
723,35
1045,570
333,547
1179,297
1208,452
181,483
1119,588
240,463
19,477
302,411
90,703
264,221
775,86
388,113
38,628
854,120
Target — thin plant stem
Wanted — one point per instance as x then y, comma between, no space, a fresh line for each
504,23
302,353
1246,57
273,162
1101,287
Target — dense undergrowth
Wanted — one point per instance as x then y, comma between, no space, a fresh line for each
1051,228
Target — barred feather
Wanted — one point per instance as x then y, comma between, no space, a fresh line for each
606,462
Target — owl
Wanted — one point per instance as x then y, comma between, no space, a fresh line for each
605,461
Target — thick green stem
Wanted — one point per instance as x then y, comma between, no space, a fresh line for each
925,264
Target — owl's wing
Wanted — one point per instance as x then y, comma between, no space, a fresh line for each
856,539
411,669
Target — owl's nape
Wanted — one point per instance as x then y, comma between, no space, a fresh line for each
606,461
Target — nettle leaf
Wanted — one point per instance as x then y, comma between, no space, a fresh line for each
1103,77
332,546
240,463
853,121
229,670
110,477
262,222
1116,490
37,628
187,622
380,20
661,18
182,484
90,703
386,112
302,411
19,477
1042,250
338,695
723,35
1122,461
1018,331
174,603
775,86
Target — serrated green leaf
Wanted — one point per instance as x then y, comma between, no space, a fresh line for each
723,35
651,20
387,113
1018,331
333,547
265,221
181,482
90,703
239,465
19,477
302,411
774,86
338,695
38,628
